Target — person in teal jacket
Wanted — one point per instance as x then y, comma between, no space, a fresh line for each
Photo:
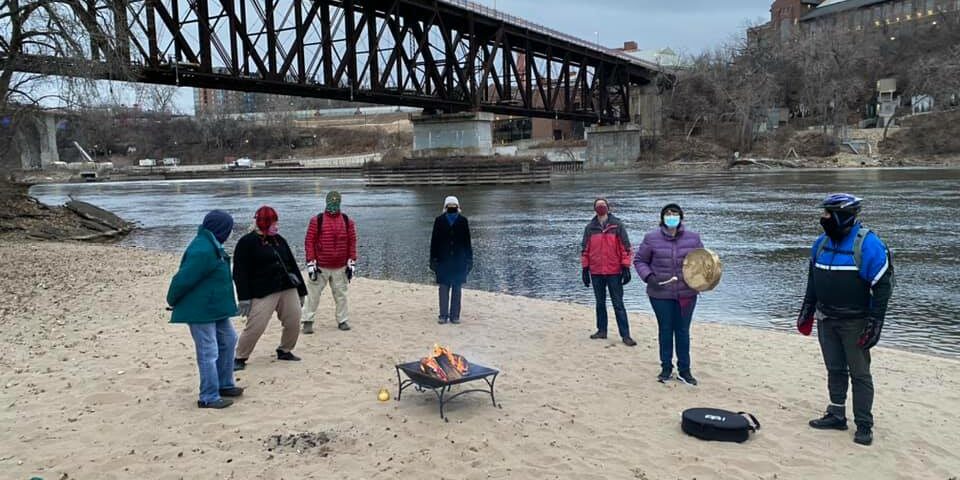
201,295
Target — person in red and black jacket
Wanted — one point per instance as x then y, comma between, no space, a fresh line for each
606,259
267,279
331,246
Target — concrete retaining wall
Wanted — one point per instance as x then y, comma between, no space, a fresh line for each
613,146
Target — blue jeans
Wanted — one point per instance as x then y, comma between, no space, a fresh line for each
601,284
215,351
673,325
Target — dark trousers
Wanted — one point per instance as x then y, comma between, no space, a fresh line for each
601,284
673,324
450,301
847,363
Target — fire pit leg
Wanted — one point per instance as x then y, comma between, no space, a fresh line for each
443,391
401,384
490,384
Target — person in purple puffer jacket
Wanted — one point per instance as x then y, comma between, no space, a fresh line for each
659,262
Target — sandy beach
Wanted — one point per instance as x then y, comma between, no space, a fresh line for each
96,384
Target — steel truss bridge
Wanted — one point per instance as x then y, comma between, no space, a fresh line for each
439,55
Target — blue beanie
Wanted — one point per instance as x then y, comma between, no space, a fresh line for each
219,223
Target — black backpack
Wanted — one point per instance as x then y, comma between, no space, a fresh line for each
720,425
346,222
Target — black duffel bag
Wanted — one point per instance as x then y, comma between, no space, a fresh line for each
720,425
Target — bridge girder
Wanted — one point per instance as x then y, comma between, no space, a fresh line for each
440,55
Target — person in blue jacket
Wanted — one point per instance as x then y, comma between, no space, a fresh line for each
201,294
849,283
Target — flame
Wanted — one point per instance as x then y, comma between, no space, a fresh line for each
457,361
432,365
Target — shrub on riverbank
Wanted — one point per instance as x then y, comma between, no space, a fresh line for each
926,134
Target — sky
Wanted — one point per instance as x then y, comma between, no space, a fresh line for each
689,26
686,26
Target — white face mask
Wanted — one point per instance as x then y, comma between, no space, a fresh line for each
671,221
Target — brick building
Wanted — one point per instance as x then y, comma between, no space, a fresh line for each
886,18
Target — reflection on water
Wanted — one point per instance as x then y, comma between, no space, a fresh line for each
527,238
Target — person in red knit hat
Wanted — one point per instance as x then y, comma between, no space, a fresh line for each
267,279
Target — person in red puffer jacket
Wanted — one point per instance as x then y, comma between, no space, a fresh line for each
606,257
331,246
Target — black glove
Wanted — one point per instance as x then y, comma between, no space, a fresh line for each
244,307
625,276
805,319
585,276
433,264
871,333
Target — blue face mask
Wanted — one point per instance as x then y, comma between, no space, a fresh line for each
671,221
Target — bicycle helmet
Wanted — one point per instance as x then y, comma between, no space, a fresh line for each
843,206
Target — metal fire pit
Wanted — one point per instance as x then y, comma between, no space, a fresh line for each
423,382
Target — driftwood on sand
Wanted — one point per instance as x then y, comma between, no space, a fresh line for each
25,216
763,162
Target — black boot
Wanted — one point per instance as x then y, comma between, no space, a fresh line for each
665,375
834,419
239,364
864,435
288,356
231,392
218,404
687,377
599,335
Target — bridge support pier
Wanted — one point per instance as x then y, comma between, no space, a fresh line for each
453,135
613,145
646,104
36,141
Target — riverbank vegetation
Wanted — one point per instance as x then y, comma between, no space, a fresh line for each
762,98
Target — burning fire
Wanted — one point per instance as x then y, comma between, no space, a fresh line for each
444,364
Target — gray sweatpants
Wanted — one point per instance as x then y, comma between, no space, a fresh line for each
847,363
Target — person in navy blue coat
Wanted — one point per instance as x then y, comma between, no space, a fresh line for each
849,284
451,258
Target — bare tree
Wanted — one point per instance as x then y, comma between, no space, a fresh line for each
49,52
157,98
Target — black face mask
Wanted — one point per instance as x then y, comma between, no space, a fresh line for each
453,210
832,228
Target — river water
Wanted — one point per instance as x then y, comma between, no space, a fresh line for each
526,238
